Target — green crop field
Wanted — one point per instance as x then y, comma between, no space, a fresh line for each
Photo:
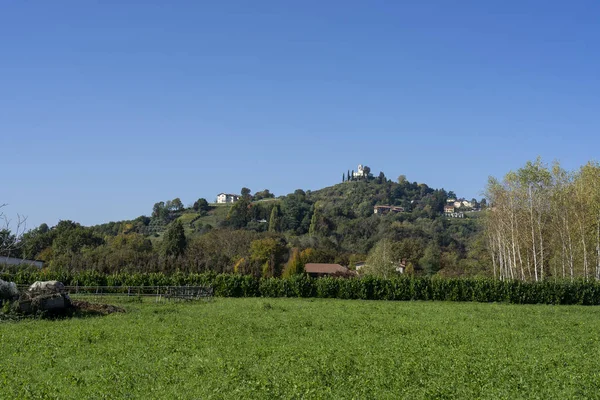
306,348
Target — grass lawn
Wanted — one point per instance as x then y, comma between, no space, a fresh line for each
307,348
217,214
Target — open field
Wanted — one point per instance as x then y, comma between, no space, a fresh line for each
307,348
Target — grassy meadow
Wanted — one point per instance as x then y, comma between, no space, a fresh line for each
306,348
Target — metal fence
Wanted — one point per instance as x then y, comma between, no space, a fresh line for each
160,293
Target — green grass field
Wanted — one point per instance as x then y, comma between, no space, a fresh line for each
307,348
217,214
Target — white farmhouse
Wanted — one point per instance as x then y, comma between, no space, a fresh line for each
227,198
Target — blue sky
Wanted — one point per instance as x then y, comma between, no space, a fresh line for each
108,107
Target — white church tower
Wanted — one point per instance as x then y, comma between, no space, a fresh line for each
360,173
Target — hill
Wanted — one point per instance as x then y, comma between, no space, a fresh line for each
341,223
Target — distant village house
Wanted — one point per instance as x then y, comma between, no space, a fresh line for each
387,209
317,270
227,198
400,267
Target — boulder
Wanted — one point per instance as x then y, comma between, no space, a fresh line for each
45,296
8,290
47,287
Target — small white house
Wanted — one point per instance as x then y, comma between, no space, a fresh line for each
227,198
359,265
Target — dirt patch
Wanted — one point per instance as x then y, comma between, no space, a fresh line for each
94,308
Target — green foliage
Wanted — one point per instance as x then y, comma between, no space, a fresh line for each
294,266
174,242
268,252
201,205
368,288
264,194
383,260
240,213
337,222
274,219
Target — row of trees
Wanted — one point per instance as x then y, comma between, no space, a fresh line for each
544,222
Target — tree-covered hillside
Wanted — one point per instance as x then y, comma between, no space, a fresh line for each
264,235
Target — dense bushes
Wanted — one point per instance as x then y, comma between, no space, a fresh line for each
367,288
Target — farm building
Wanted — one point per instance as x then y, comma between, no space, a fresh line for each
20,261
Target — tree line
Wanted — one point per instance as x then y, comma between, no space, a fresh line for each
544,223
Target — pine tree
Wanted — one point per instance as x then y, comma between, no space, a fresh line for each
314,221
274,220
294,266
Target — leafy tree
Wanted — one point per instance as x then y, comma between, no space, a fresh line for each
36,240
268,253
264,194
174,240
319,225
176,205
294,266
367,172
201,205
296,212
430,262
71,237
245,192
160,211
382,260
451,195
240,213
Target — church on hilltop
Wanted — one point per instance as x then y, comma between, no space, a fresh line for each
363,173
360,173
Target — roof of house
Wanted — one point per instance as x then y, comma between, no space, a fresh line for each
229,194
319,268
20,261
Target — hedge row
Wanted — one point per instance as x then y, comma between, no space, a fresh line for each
367,288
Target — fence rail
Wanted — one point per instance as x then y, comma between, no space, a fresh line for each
159,292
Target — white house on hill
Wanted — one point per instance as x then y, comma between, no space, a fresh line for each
227,198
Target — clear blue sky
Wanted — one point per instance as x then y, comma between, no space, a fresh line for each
108,107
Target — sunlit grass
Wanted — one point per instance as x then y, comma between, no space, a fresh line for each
306,348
